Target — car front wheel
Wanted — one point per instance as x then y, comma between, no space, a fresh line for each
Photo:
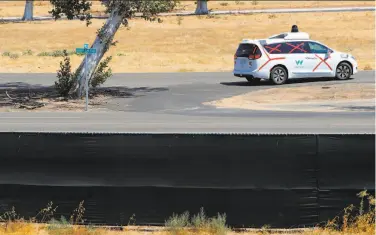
343,71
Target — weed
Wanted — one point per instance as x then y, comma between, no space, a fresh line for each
199,220
6,53
46,213
179,19
179,224
27,52
355,220
56,224
132,220
265,229
272,16
223,4
63,227
14,56
121,54
9,216
78,214
217,225
239,2
184,70
178,221
254,2
367,67
44,53
57,53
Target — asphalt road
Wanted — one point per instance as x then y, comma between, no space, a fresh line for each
172,103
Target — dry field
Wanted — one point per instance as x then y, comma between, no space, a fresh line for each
41,8
21,228
180,44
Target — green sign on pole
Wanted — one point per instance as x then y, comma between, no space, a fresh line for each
86,50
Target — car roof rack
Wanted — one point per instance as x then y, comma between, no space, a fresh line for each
291,36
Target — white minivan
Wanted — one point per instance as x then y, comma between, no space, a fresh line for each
290,55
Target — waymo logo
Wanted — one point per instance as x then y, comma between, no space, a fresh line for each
299,62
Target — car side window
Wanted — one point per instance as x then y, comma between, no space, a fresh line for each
296,47
317,48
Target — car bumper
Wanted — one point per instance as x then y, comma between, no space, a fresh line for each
256,74
355,66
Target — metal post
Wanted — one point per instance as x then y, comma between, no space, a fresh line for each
86,83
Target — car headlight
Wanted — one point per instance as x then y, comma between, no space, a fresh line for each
345,56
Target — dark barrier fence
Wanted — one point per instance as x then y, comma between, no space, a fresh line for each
280,180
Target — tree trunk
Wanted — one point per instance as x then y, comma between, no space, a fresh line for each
101,44
202,7
28,12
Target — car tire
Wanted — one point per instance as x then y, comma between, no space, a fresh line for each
343,71
278,75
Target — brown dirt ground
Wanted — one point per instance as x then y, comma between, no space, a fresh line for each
197,43
290,95
47,99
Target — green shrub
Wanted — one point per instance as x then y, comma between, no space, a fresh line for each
44,53
217,225
6,53
102,73
27,52
199,220
178,224
66,78
178,221
56,53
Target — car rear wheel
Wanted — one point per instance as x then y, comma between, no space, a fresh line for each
343,71
278,75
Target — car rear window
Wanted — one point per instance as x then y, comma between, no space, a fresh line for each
246,50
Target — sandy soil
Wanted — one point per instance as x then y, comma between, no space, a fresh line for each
181,44
41,8
277,98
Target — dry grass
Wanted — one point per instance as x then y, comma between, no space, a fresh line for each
353,220
41,8
194,44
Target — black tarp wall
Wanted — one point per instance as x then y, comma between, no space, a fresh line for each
280,180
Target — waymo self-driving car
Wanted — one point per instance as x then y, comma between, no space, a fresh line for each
290,55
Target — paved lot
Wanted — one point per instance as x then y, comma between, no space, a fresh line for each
172,103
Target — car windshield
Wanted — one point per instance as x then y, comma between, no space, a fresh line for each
317,48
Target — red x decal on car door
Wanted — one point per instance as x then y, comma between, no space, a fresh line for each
323,60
